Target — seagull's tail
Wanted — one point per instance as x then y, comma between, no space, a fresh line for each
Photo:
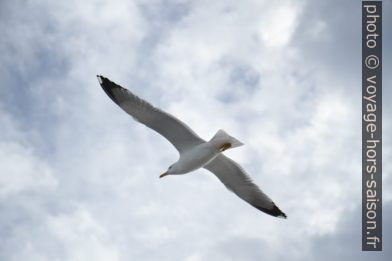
223,141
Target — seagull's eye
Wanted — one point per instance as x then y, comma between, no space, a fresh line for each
170,167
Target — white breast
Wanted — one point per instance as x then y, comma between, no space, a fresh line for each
197,157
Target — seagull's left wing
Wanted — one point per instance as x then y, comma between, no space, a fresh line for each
235,179
175,131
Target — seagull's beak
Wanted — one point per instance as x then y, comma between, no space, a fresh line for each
163,174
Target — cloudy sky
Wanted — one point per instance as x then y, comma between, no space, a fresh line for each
79,178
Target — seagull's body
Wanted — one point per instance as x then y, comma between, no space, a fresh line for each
194,152
195,158
202,154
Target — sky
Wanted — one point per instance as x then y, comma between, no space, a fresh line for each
79,177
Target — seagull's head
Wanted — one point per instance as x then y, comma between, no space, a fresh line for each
172,170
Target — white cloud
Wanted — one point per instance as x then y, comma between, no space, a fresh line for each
22,171
279,25
82,237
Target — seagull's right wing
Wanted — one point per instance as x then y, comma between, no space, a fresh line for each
175,131
235,179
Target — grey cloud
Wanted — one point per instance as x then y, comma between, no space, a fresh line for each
345,243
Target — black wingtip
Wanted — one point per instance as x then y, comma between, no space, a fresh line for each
100,79
282,215
274,211
107,86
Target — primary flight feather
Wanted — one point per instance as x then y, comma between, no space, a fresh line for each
194,152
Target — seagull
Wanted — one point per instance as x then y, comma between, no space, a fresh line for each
194,152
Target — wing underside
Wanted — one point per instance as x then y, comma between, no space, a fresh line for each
236,180
175,131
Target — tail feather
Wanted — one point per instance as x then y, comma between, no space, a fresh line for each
221,137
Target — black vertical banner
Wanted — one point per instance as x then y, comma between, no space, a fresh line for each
371,126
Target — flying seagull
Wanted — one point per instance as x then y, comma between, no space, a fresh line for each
194,152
